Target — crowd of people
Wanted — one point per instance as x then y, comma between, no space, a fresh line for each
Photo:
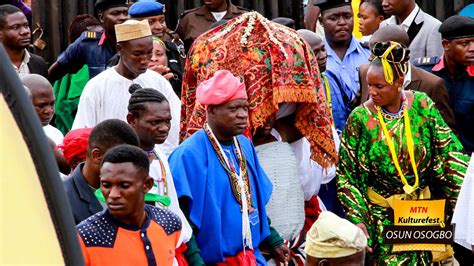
239,140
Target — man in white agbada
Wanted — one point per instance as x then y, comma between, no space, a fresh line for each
106,95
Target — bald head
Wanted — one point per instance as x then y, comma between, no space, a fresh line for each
42,96
310,37
36,82
388,33
317,45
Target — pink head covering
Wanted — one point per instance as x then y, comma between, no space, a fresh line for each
223,87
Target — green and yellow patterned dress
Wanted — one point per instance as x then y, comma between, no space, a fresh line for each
365,161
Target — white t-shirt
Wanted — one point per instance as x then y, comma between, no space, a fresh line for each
106,96
219,15
54,134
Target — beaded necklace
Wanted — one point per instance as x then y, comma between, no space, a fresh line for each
229,168
391,116
153,155
240,183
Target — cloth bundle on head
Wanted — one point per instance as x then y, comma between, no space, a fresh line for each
457,27
391,53
223,87
276,65
146,9
102,5
75,144
132,29
334,237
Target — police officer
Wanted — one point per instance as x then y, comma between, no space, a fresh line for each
156,18
154,12
196,21
456,68
93,49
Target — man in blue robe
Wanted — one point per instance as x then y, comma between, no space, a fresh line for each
220,184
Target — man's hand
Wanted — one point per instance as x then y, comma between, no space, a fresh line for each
366,233
281,254
163,70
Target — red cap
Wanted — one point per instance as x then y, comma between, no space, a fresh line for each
75,144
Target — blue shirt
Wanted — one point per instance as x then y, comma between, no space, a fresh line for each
200,178
90,49
348,68
341,97
343,78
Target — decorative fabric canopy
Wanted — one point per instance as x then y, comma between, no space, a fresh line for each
276,65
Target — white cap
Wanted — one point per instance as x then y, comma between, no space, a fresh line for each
334,237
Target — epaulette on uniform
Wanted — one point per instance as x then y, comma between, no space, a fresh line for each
185,12
426,61
92,35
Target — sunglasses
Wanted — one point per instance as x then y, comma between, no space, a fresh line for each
393,52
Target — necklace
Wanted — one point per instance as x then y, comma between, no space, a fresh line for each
391,116
409,189
153,155
240,183
229,168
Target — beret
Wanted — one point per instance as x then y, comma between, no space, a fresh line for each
457,27
102,5
467,11
146,9
328,4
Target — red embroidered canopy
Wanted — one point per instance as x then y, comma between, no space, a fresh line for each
276,65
